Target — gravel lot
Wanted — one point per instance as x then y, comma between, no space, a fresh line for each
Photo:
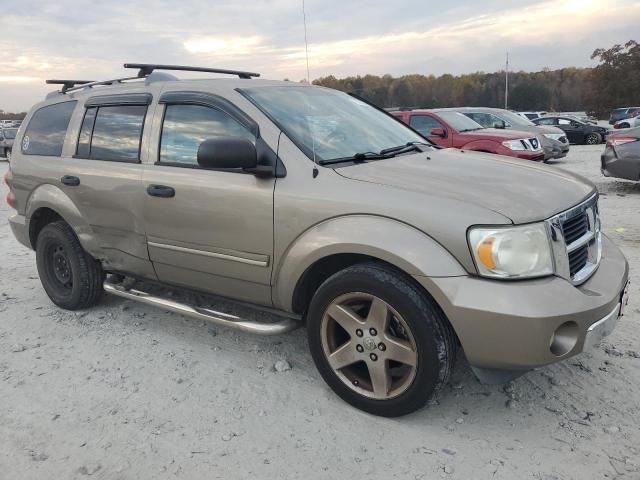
126,391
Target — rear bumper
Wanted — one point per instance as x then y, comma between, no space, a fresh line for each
613,166
20,229
512,325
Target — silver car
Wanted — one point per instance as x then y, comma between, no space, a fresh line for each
324,212
554,141
7,136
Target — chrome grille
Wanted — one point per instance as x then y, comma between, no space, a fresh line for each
576,241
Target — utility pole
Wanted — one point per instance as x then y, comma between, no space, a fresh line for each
506,84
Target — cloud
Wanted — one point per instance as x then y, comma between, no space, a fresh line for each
83,39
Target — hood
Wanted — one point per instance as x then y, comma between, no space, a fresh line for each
518,189
503,134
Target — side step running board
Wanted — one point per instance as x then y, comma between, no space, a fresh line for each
284,325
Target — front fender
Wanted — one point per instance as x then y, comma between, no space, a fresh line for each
52,197
383,238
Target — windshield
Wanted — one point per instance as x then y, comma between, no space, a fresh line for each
459,121
515,119
9,133
328,122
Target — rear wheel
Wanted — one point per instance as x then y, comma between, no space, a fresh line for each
70,276
379,341
593,139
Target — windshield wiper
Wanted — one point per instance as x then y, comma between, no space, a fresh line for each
470,129
358,157
407,147
386,153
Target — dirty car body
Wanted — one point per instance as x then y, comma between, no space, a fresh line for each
392,250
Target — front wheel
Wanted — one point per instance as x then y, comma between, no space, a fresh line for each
593,139
378,340
70,276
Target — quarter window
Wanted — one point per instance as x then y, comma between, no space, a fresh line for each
424,124
185,127
46,130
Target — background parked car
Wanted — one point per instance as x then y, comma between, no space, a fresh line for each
577,131
7,136
554,141
531,115
448,128
628,123
621,157
622,113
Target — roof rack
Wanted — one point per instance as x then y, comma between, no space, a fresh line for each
67,84
148,68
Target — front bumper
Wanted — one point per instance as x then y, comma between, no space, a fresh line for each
511,325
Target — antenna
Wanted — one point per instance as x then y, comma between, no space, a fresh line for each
306,49
506,84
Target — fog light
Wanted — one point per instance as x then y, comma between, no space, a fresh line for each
564,339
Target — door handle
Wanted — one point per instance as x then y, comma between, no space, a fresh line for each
161,191
70,180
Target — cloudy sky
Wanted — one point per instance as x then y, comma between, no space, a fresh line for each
90,40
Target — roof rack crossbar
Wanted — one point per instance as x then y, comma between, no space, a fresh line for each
147,68
67,84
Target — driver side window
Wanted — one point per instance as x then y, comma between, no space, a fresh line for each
424,124
185,127
564,121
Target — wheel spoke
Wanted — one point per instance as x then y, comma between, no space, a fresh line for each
400,351
380,378
343,356
345,317
378,316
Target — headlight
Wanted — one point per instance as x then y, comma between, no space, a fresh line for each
512,252
515,145
554,136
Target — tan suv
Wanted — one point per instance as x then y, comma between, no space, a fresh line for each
319,208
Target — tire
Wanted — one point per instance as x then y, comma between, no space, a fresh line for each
413,321
593,139
7,154
71,277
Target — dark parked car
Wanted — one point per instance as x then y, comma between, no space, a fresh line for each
7,135
621,157
577,131
622,113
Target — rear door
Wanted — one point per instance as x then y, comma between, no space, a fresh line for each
107,166
209,230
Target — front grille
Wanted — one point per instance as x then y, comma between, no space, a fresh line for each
575,227
577,241
578,259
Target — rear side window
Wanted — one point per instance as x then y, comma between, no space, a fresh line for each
112,132
46,130
424,124
185,127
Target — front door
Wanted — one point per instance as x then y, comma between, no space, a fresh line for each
572,128
425,123
209,230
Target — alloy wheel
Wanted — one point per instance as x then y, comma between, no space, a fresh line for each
369,345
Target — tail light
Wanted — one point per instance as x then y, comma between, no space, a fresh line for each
11,199
616,141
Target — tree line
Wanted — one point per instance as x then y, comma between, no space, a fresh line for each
614,82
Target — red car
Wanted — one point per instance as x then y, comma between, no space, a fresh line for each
448,128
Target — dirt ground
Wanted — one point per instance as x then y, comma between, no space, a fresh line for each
126,391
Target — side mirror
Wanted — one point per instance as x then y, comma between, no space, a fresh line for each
500,124
438,132
227,153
